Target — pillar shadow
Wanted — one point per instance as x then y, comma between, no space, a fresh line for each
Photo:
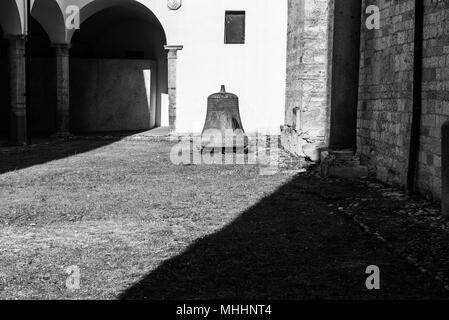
288,246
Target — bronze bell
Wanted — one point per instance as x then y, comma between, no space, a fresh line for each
223,130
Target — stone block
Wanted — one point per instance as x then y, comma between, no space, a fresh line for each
341,164
313,151
348,172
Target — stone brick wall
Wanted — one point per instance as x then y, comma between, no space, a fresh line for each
307,66
435,94
385,92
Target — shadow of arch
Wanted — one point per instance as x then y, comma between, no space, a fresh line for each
120,45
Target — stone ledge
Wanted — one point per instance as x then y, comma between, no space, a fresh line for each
300,144
342,164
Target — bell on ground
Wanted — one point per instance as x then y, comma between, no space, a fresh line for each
223,130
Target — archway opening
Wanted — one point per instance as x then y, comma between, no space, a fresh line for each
4,86
118,71
43,81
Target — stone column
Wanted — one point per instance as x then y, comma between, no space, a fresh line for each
172,62
445,168
17,74
62,90
341,159
345,75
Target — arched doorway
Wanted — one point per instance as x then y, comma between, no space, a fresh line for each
12,120
118,70
43,81
4,86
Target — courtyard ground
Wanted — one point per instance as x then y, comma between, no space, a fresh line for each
139,227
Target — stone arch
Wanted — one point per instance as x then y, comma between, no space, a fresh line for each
10,17
88,8
139,11
49,14
120,42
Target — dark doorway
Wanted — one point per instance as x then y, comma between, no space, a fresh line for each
118,71
43,80
4,86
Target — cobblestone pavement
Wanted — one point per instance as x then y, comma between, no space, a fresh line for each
410,226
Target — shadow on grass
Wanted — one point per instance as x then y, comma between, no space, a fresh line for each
46,150
288,246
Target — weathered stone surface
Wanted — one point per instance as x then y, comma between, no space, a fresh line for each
313,150
445,168
307,66
307,77
292,141
385,91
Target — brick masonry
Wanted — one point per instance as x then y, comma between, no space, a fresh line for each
435,94
385,92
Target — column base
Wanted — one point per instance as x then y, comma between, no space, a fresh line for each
342,164
61,135
445,207
11,143
18,132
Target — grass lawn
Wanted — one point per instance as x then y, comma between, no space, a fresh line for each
138,226
116,211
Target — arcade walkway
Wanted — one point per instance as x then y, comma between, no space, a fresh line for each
138,226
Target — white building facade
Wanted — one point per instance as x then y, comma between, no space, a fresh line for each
140,64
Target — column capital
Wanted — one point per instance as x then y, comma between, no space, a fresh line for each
15,36
173,51
62,49
173,47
